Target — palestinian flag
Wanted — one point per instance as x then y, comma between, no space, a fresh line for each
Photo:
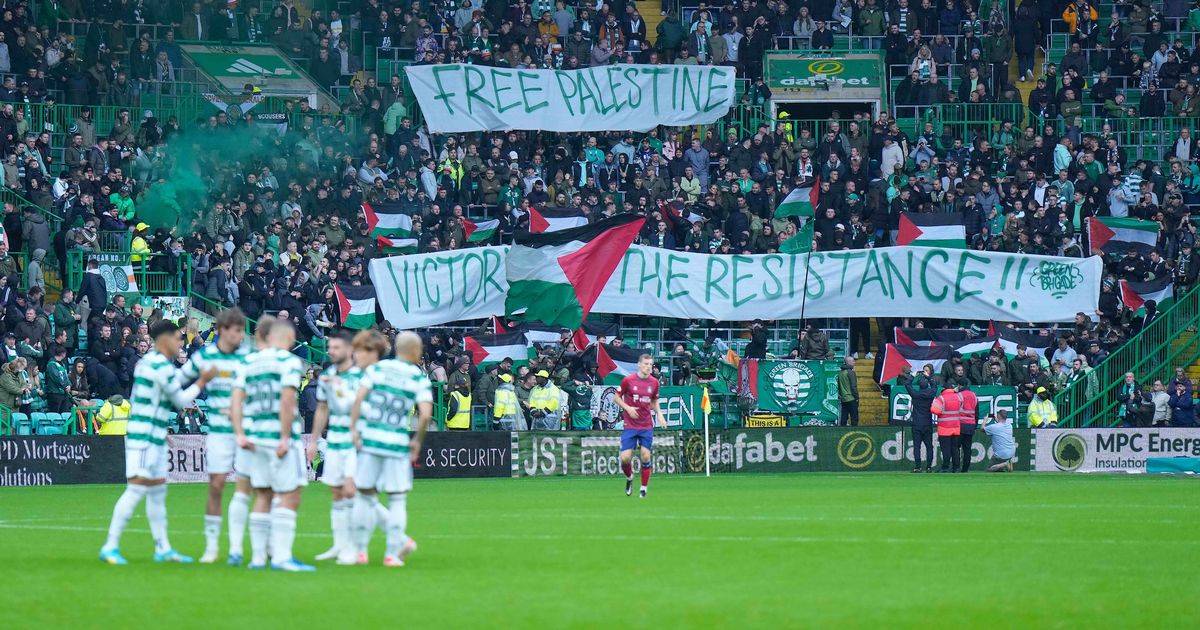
800,202
480,231
556,278
590,333
1114,235
973,346
389,245
486,349
931,229
356,305
614,363
896,357
929,336
388,220
801,243
535,334
555,219
1134,295
1010,338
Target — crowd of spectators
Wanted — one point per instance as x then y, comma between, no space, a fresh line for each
277,221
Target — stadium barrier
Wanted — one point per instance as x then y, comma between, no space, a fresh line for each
61,460
1113,450
795,449
991,398
444,454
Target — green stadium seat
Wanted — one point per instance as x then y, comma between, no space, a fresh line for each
49,423
22,424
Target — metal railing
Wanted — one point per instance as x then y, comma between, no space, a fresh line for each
302,349
150,281
1169,340
132,31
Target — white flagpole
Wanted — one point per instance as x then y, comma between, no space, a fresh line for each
707,463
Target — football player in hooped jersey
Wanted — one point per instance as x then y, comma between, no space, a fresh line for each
336,392
638,398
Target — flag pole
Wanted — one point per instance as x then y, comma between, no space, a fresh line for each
804,287
706,409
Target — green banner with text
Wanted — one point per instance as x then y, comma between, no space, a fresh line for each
807,389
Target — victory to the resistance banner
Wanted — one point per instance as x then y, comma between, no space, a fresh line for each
432,289
463,97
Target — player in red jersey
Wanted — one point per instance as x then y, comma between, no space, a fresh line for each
638,398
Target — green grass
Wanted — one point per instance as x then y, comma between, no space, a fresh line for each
815,550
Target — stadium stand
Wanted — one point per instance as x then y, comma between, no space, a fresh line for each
137,162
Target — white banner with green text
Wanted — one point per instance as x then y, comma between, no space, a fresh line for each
463,97
431,289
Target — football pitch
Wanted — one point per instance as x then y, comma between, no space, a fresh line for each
811,550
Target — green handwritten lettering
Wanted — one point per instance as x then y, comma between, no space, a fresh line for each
468,298
845,257
634,86
473,92
711,285
671,260
442,94
435,300
625,262
489,270
929,256
559,75
737,281
872,273
894,274
775,281
497,74
651,276
959,294
709,105
526,90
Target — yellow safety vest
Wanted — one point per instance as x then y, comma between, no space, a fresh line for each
506,403
113,418
462,416
544,398
138,247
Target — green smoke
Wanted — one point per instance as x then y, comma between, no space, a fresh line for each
196,167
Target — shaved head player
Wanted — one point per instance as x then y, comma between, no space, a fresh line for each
638,398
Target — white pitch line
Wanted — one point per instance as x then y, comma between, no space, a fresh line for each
693,538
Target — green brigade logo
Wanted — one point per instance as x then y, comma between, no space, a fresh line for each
1057,279
856,449
792,384
1069,451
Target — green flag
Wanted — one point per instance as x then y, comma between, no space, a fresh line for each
801,243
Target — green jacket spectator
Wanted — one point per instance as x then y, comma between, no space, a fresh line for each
847,384
11,385
57,380
66,317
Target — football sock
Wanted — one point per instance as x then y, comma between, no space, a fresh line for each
397,522
122,512
363,520
381,514
627,468
283,534
212,532
156,512
260,533
239,512
339,522
646,470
